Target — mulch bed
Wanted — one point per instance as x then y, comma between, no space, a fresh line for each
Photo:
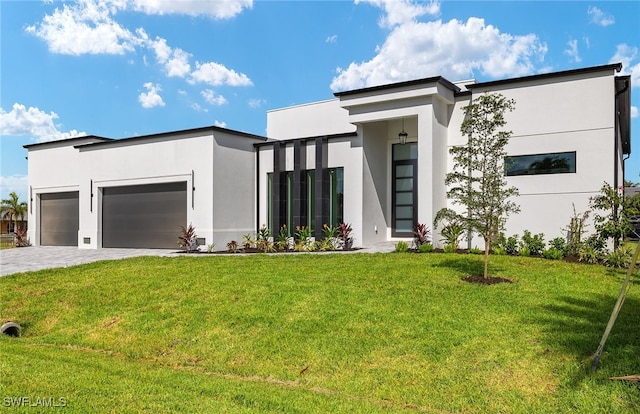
490,280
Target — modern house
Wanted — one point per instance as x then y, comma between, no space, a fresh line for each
374,157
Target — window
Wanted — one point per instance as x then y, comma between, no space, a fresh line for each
286,201
553,163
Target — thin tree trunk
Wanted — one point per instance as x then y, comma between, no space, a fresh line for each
487,246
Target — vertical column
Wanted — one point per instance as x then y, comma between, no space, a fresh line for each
321,190
278,166
299,187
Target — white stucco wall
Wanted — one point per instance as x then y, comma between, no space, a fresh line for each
308,120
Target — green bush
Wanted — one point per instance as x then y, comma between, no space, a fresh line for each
448,248
587,253
512,246
524,251
553,254
620,258
499,250
425,248
402,247
535,243
560,244
475,250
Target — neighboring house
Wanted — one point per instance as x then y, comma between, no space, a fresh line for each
8,226
335,161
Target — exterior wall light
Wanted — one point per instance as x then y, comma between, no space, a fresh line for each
402,136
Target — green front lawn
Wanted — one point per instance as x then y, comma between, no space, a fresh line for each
319,333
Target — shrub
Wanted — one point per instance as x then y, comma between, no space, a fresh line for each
553,253
421,234
248,241
451,234
425,248
304,243
524,251
620,258
499,250
535,244
20,238
344,231
476,250
559,244
512,246
232,246
589,254
187,238
210,247
575,231
283,239
402,247
449,249
263,234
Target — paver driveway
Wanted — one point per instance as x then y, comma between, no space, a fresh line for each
26,259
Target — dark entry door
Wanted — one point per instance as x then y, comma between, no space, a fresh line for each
404,189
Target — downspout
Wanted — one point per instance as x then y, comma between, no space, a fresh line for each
615,152
257,204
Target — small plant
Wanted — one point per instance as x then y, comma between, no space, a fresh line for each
263,234
304,242
187,239
575,231
553,253
266,246
559,244
619,258
282,240
524,251
210,247
344,231
248,241
421,235
425,248
20,238
402,247
329,241
448,249
476,250
535,243
233,247
451,234
499,251
588,253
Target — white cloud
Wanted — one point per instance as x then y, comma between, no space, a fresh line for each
85,27
626,55
331,39
33,122
151,98
220,124
599,17
197,107
398,12
211,97
218,9
17,183
90,27
216,74
572,50
634,111
174,60
256,103
453,49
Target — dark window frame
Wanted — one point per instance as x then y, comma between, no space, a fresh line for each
571,167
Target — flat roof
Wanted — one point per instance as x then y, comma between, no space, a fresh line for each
415,82
613,66
68,141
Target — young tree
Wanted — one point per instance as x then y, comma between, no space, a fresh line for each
610,219
12,208
477,181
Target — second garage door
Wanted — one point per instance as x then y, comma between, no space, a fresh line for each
59,221
144,216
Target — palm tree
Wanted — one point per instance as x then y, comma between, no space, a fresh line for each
12,208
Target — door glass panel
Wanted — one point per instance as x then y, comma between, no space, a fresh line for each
404,184
407,151
404,198
404,171
404,226
404,212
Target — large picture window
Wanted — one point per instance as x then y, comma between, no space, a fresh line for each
552,163
286,202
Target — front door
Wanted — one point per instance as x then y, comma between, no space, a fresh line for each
404,184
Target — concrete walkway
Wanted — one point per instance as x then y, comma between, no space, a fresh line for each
26,259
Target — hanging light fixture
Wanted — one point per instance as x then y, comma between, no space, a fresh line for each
402,136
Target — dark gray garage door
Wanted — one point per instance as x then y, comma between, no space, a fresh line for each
59,219
146,216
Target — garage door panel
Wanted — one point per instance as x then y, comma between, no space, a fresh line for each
59,219
144,216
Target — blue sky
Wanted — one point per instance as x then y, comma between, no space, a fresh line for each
122,68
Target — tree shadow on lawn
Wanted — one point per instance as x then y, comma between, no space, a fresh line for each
575,326
471,265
